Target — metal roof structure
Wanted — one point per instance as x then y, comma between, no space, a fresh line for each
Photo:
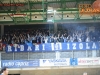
42,11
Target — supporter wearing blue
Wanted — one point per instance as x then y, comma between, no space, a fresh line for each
73,34
83,37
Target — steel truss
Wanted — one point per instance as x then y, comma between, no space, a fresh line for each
41,7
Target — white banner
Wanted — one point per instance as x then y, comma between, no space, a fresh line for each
88,61
55,62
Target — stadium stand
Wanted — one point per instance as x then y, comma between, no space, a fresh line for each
50,37
22,36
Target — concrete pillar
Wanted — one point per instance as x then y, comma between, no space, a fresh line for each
57,55
94,53
73,56
86,53
2,30
55,27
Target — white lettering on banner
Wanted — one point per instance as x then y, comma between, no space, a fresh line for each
15,49
74,45
43,47
19,63
56,46
8,64
15,45
22,64
81,46
36,47
52,46
21,47
29,48
67,45
9,49
87,46
94,46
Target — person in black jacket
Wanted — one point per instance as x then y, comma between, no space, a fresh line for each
4,71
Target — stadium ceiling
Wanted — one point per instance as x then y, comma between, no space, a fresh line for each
43,11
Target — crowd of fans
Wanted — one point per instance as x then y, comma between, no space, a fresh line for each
20,36
83,36
33,36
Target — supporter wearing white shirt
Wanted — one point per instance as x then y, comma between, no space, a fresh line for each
46,39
